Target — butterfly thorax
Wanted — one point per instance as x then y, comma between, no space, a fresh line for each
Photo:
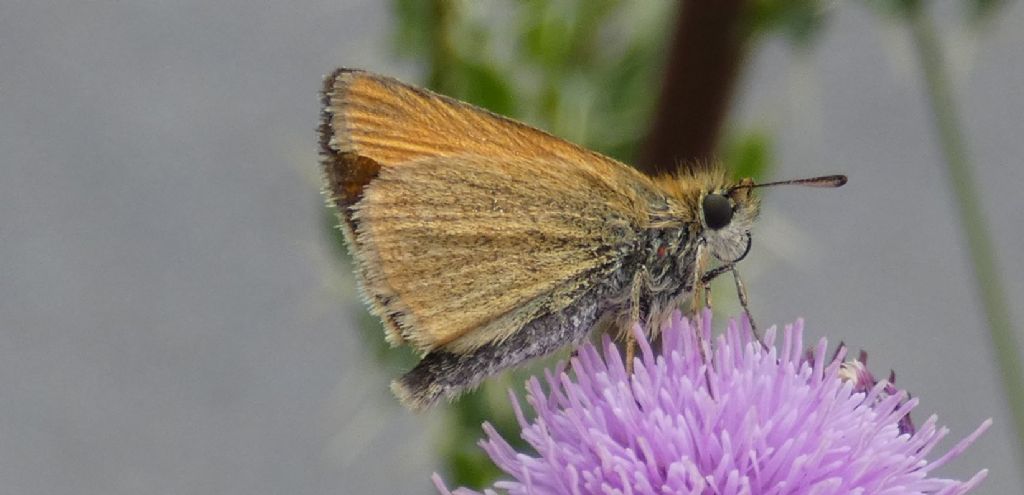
681,240
666,280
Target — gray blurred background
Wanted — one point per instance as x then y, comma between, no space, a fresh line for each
174,317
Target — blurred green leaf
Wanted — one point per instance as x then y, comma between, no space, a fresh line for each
982,10
413,21
468,464
798,20
484,86
748,154
546,35
624,103
900,9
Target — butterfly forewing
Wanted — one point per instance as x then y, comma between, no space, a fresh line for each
467,225
371,121
461,262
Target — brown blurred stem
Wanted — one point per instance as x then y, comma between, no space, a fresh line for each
704,61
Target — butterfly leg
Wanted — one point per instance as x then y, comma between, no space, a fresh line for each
640,279
713,273
706,286
741,292
701,281
630,352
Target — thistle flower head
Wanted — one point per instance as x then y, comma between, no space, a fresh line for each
743,420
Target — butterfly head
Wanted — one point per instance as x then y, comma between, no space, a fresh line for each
726,216
728,212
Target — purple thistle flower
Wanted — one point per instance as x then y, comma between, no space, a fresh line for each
755,422
856,372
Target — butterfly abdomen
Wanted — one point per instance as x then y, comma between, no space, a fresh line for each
445,375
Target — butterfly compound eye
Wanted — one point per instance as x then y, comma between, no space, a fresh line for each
717,211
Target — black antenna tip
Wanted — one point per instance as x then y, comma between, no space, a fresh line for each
838,180
823,181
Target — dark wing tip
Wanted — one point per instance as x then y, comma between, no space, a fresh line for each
327,93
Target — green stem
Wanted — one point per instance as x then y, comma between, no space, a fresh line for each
442,50
972,218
